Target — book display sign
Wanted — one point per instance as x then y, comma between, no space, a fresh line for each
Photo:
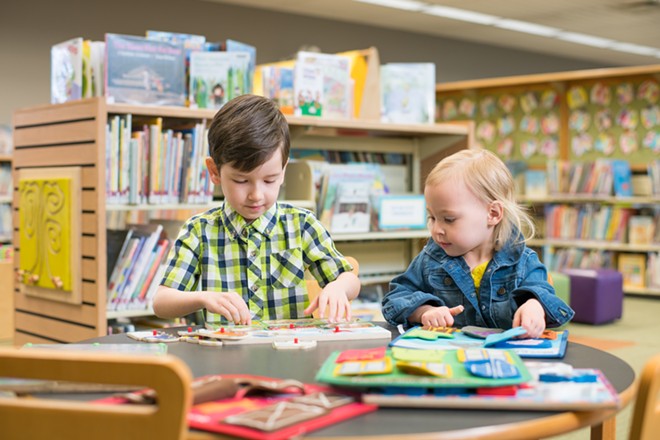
401,212
143,71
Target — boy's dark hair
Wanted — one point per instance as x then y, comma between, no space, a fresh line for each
247,131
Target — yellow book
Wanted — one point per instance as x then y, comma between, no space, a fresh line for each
633,269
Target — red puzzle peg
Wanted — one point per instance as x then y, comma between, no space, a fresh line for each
291,326
222,329
155,332
189,329
337,329
295,340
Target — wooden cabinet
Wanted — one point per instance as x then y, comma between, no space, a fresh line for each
73,135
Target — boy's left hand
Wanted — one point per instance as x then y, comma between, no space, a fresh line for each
531,317
334,301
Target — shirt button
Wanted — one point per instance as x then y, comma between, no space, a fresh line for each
254,288
483,307
447,281
501,291
253,254
245,232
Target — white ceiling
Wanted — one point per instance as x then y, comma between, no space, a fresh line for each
630,21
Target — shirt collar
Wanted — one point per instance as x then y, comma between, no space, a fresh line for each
235,224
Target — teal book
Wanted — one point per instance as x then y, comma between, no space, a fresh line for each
622,178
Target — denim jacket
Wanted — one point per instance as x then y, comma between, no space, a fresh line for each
513,276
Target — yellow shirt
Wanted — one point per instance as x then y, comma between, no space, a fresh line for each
478,274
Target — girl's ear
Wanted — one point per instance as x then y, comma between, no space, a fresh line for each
495,213
213,171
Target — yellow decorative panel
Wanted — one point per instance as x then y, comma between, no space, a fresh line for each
49,233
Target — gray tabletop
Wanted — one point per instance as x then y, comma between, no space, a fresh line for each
263,360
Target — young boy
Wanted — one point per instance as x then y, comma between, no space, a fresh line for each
250,254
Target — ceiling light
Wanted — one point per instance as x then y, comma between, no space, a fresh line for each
406,5
633,48
587,40
460,14
527,28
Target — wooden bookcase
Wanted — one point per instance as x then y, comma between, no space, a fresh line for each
607,85
73,135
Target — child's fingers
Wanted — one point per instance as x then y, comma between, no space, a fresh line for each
456,311
312,306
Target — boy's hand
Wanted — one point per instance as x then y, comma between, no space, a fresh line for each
228,304
334,301
531,317
442,316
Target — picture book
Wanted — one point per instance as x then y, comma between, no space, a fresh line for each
408,369
633,270
622,178
308,329
641,229
552,344
352,211
536,184
237,46
408,92
66,71
554,387
217,77
339,176
144,71
322,86
258,407
278,86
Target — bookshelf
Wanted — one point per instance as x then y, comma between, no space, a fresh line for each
579,116
73,135
551,245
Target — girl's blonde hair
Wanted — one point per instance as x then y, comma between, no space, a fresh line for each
488,178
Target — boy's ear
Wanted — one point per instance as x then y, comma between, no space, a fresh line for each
495,213
213,171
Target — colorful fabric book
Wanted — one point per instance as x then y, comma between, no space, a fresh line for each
554,387
526,348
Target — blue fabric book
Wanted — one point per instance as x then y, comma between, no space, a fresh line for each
455,339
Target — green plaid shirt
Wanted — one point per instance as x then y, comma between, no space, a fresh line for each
264,261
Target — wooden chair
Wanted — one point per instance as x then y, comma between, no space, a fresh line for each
313,288
646,414
39,418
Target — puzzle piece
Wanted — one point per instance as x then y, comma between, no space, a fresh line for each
361,355
425,368
152,336
492,369
294,344
222,333
480,332
361,368
415,355
427,335
504,336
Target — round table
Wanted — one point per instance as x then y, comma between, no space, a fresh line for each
409,423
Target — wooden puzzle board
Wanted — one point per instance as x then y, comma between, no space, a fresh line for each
266,332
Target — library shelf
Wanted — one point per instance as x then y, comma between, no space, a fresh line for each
74,135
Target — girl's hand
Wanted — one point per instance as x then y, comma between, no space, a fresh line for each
334,301
440,316
228,304
531,317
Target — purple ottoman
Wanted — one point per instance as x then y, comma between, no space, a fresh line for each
596,295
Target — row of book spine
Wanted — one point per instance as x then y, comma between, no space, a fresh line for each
6,186
578,258
155,165
138,269
587,222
